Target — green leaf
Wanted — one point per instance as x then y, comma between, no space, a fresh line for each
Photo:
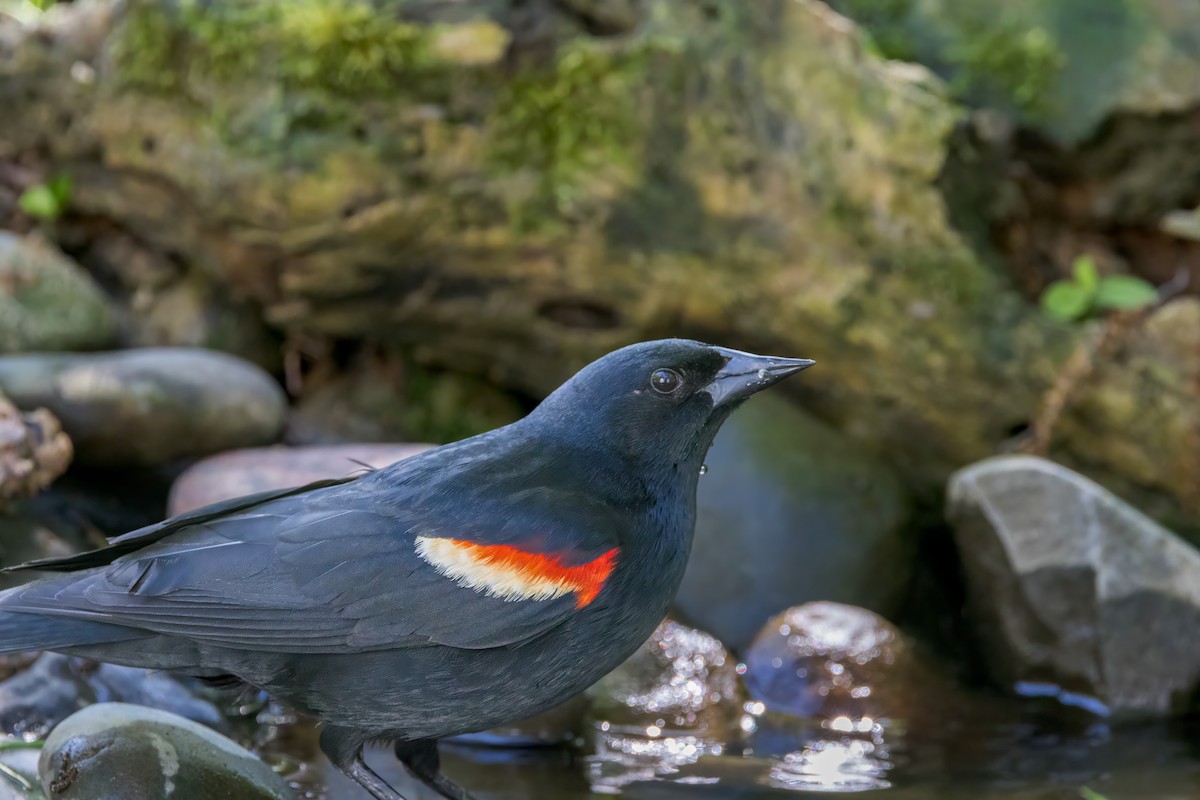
40,201
1066,300
1085,273
1126,293
61,187
1090,794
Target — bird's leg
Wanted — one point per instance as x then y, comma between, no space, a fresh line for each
421,759
345,751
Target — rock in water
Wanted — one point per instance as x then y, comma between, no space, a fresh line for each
54,687
791,511
671,703
229,475
114,751
47,302
822,660
149,406
1072,585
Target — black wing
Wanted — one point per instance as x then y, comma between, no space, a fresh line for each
335,569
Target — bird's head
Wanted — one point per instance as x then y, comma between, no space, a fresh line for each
661,402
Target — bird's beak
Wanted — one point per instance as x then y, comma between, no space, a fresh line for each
745,373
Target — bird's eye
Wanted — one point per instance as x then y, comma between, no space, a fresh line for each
665,381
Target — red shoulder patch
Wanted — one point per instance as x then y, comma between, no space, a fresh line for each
514,574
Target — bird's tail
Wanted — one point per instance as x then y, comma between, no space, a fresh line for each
27,630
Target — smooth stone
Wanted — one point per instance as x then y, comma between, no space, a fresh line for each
33,450
55,686
1070,585
791,511
260,469
116,751
47,302
150,406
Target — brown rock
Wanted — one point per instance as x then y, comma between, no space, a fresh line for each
243,472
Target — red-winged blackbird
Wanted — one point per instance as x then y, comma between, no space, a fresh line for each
473,585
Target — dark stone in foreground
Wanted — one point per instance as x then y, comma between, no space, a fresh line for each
114,751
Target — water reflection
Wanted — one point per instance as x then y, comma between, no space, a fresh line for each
625,754
848,765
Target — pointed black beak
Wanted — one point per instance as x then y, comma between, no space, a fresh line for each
745,373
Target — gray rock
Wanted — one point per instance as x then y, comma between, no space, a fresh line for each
54,687
152,405
791,511
47,302
1072,585
114,751
260,469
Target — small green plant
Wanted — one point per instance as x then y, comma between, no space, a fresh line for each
1087,293
46,200
1090,794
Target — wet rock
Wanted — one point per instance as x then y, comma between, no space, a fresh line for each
33,450
680,678
827,659
149,406
55,686
791,511
47,302
243,472
674,701
1073,586
114,751
833,688
20,781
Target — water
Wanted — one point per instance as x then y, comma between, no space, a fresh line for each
1011,750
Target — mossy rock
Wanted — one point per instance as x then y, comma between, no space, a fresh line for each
1060,65
47,302
749,173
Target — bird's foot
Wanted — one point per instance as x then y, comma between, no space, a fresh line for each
344,749
365,777
422,761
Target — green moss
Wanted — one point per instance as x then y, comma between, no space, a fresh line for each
1008,62
569,122
146,49
342,47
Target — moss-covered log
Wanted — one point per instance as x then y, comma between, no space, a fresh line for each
512,189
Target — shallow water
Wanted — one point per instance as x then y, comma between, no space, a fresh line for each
1035,753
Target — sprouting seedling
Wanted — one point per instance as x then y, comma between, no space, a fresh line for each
46,200
1091,794
1086,293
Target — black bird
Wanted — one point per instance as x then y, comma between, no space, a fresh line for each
473,585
